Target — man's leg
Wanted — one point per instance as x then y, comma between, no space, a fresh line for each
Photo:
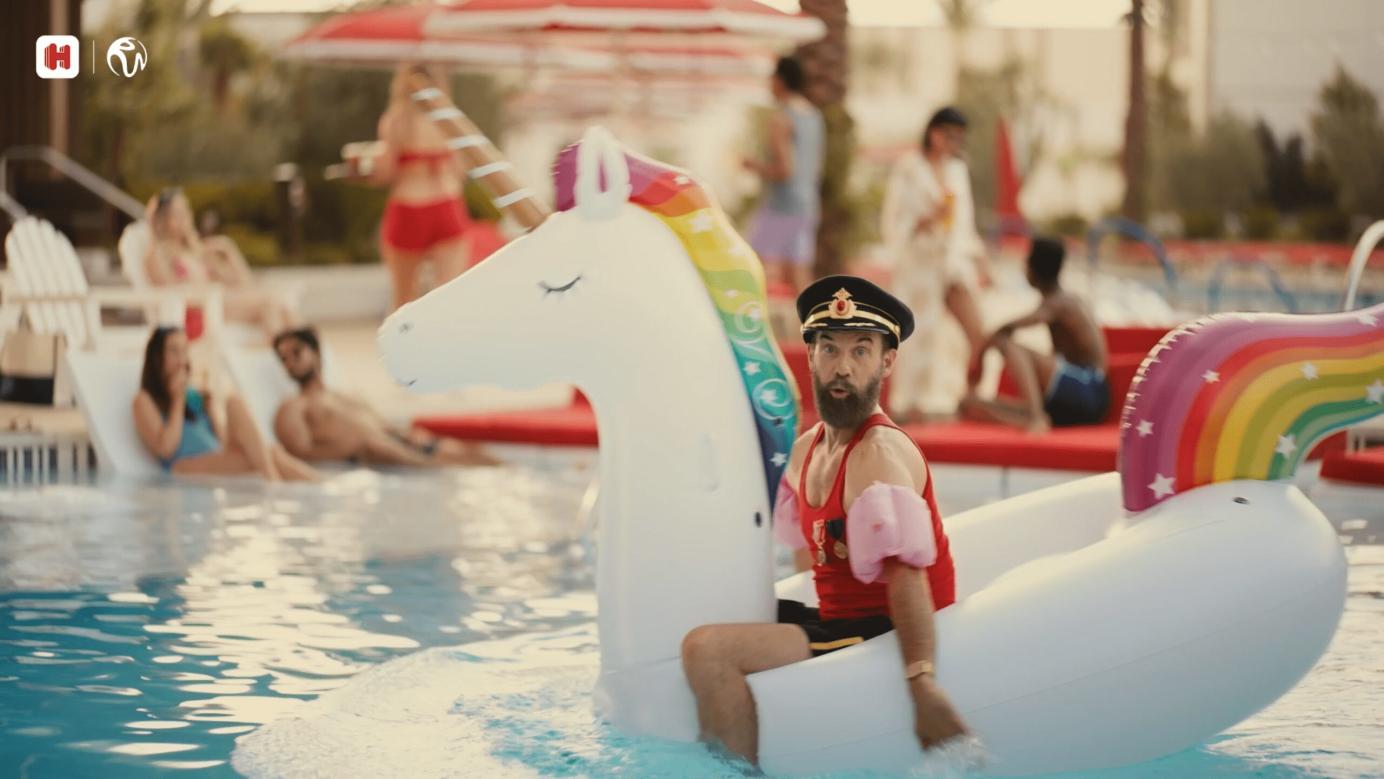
1033,372
717,658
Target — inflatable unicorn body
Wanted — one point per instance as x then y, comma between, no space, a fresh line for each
1099,623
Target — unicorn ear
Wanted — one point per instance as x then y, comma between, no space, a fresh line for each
600,155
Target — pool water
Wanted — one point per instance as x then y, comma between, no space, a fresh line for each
423,625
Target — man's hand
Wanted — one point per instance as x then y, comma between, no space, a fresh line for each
934,720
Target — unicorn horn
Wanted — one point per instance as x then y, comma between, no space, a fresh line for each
484,163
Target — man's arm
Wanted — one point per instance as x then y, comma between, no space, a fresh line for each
910,608
293,431
885,458
1042,315
779,166
802,559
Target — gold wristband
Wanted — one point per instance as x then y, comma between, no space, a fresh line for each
919,668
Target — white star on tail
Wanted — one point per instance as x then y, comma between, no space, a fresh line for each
701,222
1286,445
1309,371
1375,392
1162,486
769,396
1211,377
1145,428
778,459
752,368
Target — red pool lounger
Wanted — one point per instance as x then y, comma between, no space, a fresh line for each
1363,467
573,425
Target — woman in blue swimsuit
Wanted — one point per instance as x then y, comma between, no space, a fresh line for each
181,427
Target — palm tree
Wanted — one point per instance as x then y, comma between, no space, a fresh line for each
1132,161
961,16
826,64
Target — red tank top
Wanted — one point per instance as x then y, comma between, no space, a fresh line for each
840,594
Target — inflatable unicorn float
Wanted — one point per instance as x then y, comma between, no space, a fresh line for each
1103,622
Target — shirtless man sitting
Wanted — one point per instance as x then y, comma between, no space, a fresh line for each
1065,388
321,424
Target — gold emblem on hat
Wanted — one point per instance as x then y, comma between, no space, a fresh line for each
842,307
821,557
840,550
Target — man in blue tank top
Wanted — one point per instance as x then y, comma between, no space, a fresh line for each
784,230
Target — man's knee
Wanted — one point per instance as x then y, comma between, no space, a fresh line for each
700,647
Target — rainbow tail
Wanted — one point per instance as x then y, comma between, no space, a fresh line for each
1245,396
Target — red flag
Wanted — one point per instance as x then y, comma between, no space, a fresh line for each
1007,183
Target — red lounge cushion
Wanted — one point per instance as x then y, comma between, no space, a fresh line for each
1088,448
574,425
1363,467
1132,340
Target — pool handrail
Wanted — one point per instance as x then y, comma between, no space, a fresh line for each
1359,259
1213,287
1128,228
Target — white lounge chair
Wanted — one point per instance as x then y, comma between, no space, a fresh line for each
47,282
106,384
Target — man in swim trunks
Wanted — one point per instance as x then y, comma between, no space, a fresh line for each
1065,388
847,478
321,424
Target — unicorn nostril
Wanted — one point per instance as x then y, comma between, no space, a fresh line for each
404,327
410,382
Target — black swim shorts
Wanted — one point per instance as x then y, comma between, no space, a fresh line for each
829,635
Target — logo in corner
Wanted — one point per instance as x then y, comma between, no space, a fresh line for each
126,56
57,56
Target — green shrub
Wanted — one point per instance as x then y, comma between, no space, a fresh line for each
1325,224
1202,224
1261,223
1068,225
260,249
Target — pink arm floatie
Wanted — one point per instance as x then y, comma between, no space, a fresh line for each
885,521
787,526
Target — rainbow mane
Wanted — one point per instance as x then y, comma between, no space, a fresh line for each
734,280
1245,396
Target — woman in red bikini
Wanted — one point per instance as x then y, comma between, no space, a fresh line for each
425,217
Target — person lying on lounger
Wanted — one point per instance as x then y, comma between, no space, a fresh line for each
1065,388
186,430
178,254
321,424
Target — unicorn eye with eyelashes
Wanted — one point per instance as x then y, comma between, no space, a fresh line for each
559,289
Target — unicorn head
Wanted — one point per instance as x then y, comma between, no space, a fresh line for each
639,293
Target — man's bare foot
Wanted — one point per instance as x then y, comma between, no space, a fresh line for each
1039,426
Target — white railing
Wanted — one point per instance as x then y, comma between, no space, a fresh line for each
43,458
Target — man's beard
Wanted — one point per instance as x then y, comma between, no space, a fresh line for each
305,377
851,411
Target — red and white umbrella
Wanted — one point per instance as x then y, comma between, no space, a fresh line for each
387,36
750,18
716,23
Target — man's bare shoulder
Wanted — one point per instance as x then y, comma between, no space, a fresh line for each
798,454
294,405
888,455
889,442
